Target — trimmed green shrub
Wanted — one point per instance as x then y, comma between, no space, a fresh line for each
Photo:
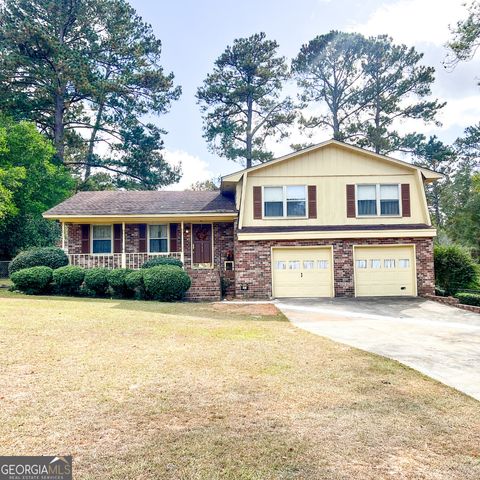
155,262
96,282
52,257
116,280
166,282
68,280
454,268
32,280
469,298
134,283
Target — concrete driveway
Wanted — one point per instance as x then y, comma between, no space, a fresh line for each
440,341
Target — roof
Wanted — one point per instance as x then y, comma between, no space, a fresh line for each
427,173
143,203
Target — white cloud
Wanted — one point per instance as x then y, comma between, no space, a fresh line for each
193,168
414,21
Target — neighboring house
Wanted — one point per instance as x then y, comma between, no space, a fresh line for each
329,220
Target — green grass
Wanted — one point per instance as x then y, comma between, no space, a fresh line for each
145,390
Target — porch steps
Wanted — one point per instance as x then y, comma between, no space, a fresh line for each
205,285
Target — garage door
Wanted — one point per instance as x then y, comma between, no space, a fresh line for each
302,272
384,271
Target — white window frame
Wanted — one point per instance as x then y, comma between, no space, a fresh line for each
377,200
168,238
111,237
284,216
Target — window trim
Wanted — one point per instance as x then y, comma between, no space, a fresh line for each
377,200
111,237
284,216
148,238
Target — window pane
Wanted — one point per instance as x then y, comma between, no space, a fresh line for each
157,245
280,265
102,232
294,264
389,192
102,246
308,264
158,231
389,263
273,194
404,263
375,263
367,207
361,264
296,208
273,209
389,207
322,264
295,192
366,192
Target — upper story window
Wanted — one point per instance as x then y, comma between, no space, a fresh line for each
373,200
286,201
158,238
101,239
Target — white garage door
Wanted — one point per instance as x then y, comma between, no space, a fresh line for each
385,271
302,272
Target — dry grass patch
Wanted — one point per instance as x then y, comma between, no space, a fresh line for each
143,390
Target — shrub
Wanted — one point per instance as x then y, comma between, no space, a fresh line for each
69,279
454,268
155,262
96,282
32,280
52,257
166,282
116,280
134,283
469,298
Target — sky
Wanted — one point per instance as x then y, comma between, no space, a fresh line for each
195,32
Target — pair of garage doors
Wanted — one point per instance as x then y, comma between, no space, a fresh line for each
378,271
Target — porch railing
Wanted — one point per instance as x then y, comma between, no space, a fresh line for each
117,260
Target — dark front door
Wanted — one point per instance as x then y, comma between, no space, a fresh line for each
202,243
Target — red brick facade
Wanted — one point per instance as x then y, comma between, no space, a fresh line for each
253,266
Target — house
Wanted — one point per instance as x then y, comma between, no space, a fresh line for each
329,220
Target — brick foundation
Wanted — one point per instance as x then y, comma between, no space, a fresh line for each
253,263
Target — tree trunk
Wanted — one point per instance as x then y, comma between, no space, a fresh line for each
91,142
249,139
59,128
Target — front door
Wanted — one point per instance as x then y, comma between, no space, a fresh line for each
202,243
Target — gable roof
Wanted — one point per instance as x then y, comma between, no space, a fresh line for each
428,174
143,203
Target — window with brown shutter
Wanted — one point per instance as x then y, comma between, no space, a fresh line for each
351,201
85,238
142,237
406,200
312,201
257,203
173,237
117,238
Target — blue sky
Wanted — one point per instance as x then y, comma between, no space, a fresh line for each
194,34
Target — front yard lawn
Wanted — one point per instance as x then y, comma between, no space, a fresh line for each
144,390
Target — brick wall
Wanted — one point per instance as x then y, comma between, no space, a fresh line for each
253,263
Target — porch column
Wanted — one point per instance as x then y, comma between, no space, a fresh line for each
124,256
63,237
182,255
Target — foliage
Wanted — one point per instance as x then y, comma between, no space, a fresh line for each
69,279
166,282
241,100
33,281
155,262
469,298
116,279
87,72
454,268
211,185
134,282
52,257
96,282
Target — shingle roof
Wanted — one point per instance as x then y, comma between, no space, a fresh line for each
144,202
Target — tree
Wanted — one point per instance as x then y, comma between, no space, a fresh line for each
35,184
441,158
396,89
241,100
329,72
210,185
87,72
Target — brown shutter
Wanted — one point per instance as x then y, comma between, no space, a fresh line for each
173,237
117,238
406,200
312,201
142,237
257,203
351,201
85,237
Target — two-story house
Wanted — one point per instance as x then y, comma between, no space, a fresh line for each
329,220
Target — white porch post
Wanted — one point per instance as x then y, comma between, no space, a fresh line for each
182,254
63,237
124,256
